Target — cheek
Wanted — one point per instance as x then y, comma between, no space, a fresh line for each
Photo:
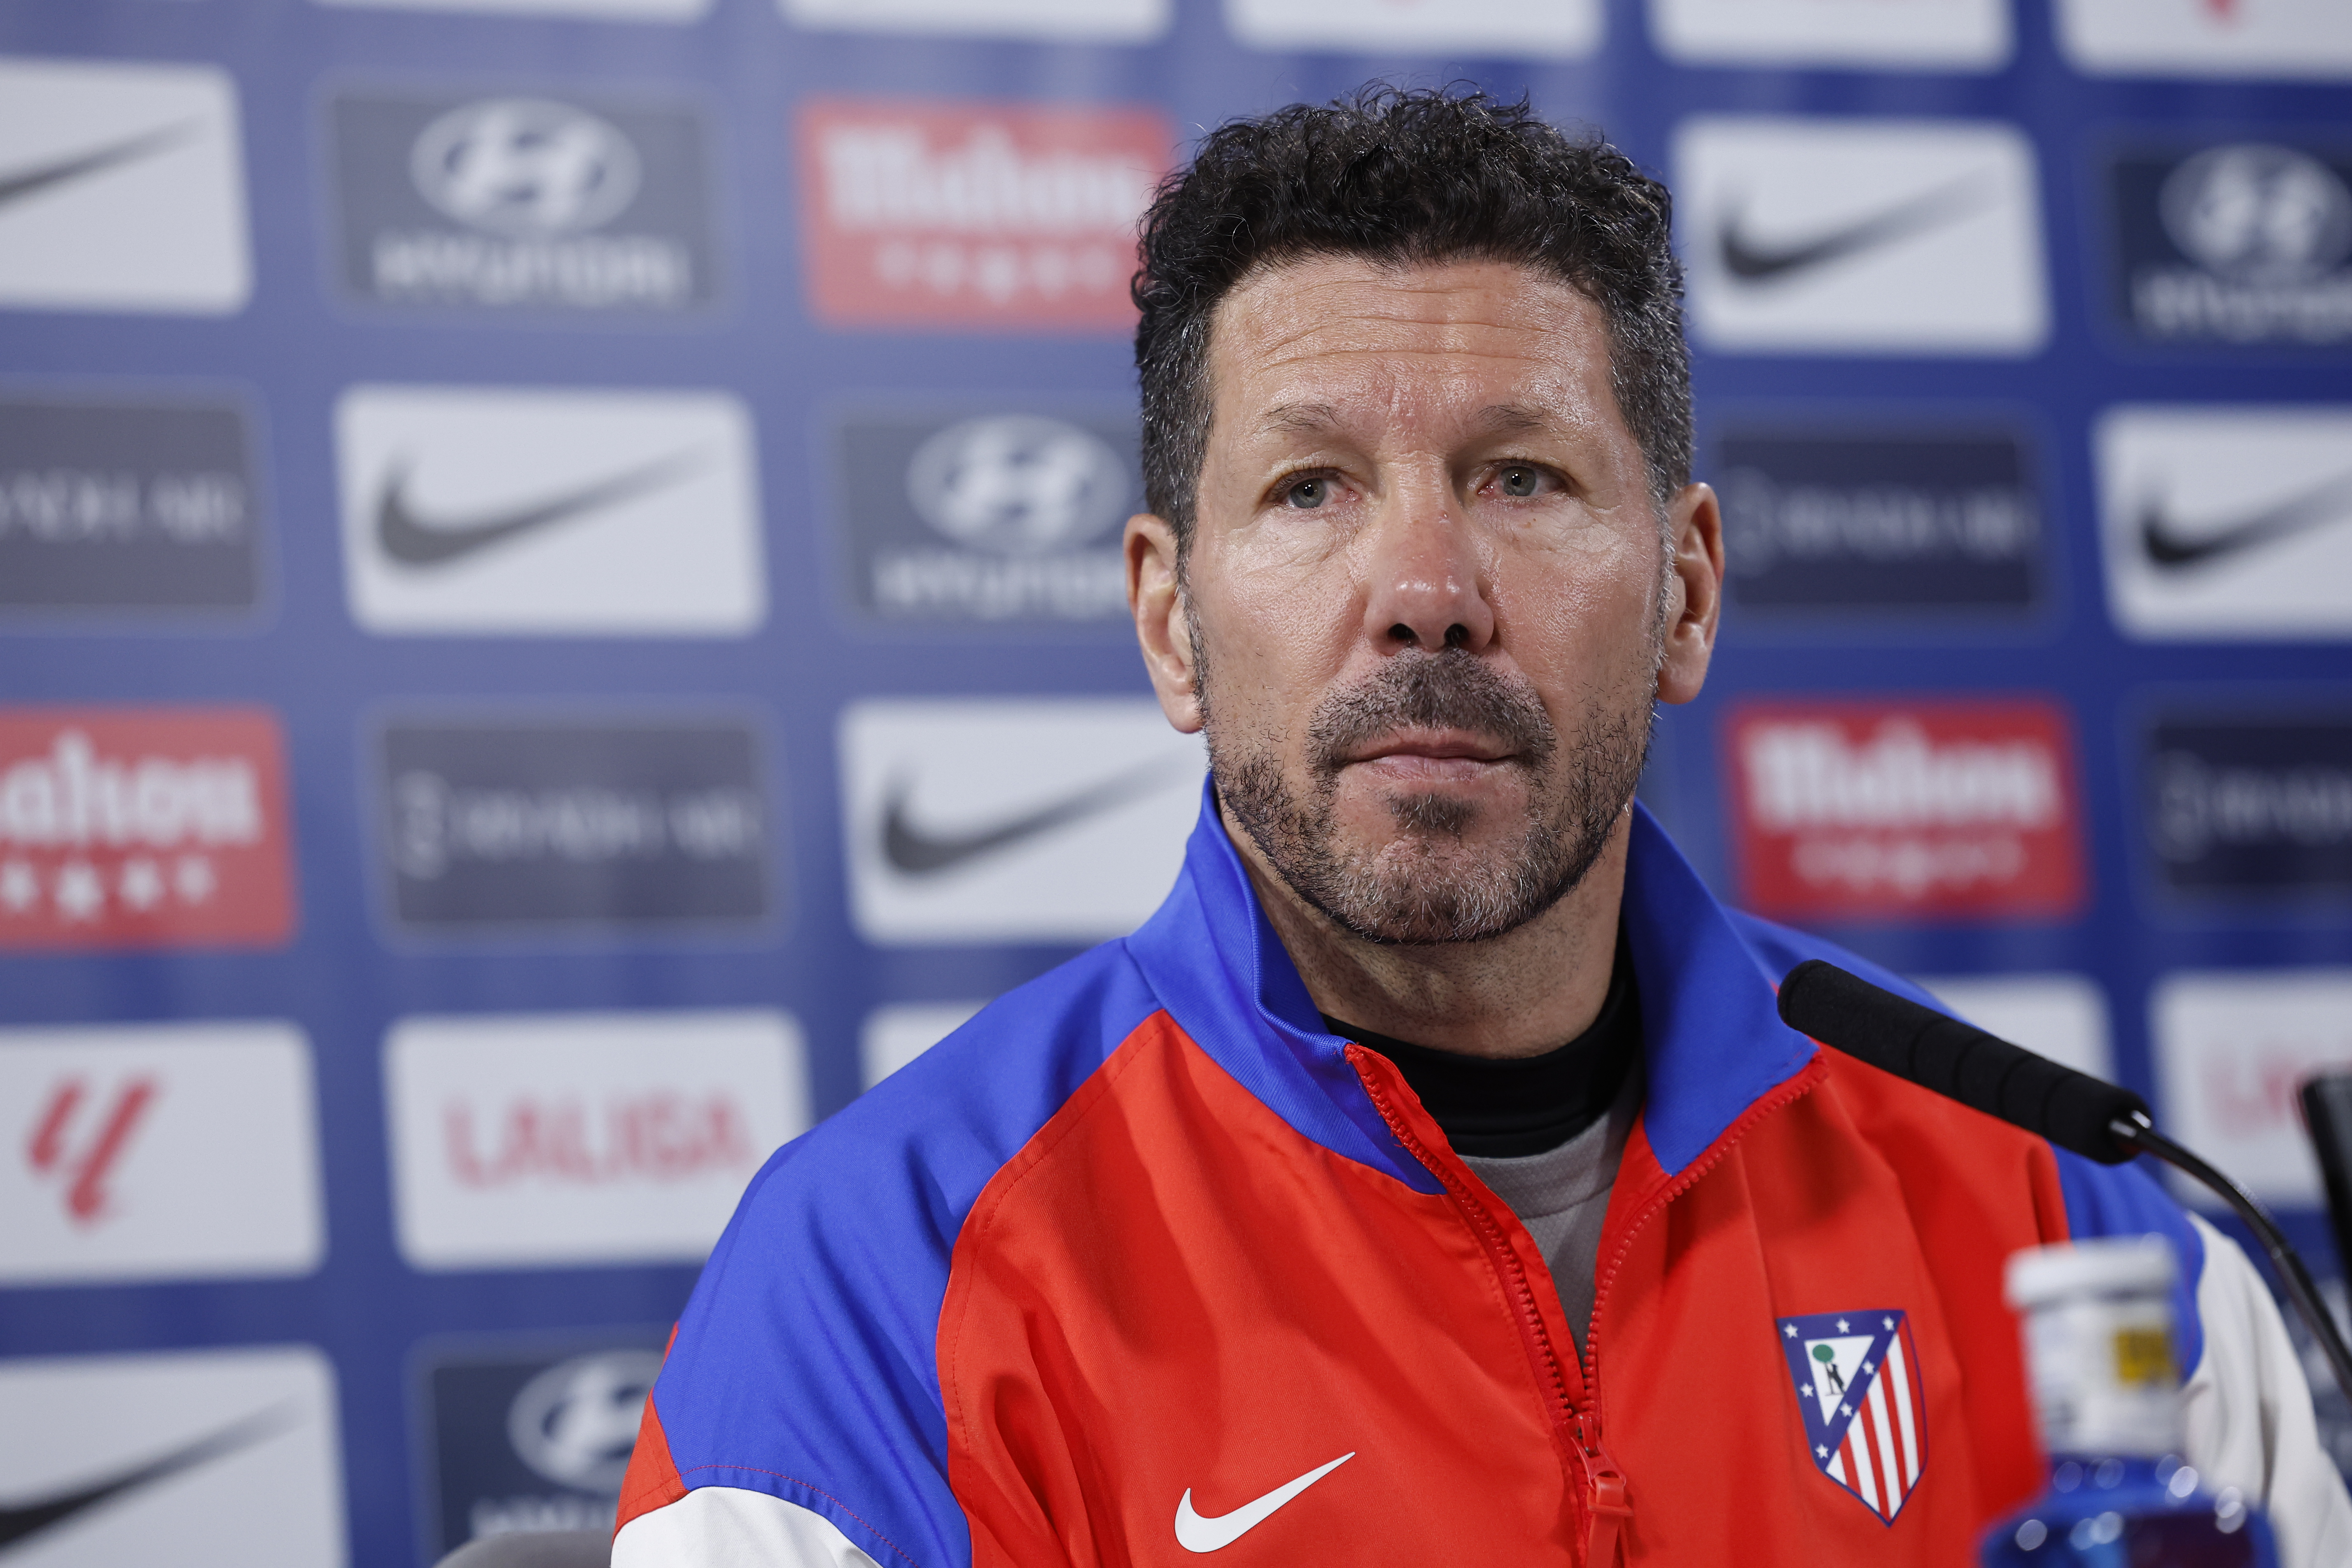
1582,609
1276,640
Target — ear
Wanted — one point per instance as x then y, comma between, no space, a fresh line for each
1693,591
1162,622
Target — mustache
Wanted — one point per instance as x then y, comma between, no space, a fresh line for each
1449,689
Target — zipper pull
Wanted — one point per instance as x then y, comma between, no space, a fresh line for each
1604,1493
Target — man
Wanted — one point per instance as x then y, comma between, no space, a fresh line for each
1430,1180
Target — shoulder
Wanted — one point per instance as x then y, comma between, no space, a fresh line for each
2100,1200
902,1164
829,1279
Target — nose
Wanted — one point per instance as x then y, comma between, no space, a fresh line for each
1426,586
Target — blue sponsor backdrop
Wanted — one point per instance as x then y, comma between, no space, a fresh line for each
681,262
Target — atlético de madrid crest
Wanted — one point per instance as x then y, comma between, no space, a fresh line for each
1857,1378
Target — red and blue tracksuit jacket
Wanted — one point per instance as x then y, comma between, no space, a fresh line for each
1095,1279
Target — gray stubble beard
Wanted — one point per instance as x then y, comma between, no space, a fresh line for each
1414,892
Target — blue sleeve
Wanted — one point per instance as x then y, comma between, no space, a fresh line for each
2126,1199
805,1364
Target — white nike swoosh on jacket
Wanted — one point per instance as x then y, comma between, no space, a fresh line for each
1196,1533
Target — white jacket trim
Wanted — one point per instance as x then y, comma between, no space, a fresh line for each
729,1527
2249,1414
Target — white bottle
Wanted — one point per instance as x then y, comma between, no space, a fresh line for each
2106,1397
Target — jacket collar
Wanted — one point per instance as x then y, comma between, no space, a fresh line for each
1712,1038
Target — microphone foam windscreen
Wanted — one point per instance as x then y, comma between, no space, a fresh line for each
1982,1071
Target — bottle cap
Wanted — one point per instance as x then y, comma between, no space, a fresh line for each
2121,1266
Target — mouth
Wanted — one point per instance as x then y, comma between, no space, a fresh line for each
1429,757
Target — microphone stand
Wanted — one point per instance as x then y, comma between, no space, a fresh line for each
2137,1131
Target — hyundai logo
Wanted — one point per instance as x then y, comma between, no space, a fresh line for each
576,1422
1018,484
2258,213
525,167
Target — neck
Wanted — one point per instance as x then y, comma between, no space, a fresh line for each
1518,995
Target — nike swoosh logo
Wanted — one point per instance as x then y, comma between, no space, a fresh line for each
25,182
1195,1533
414,539
2167,548
1745,259
20,1519
920,853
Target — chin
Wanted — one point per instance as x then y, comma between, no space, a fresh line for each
1443,816
1440,838
1451,811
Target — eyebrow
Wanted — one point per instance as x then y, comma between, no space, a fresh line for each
1511,418
1299,418
1318,419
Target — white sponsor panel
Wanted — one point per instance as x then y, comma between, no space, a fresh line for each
2227,521
1946,35
122,188
1038,820
2059,1015
528,512
1453,30
1861,237
544,1140
222,1456
158,1151
2231,1048
1044,21
2207,37
894,1035
590,10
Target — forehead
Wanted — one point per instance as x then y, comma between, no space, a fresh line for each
1349,337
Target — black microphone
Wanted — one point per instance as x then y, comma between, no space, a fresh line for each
2089,1116
1961,1061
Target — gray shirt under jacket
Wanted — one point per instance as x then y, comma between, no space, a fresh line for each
1544,1132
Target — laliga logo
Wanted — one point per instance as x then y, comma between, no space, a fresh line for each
1017,484
83,1152
525,167
654,1136
2259,213
576,1422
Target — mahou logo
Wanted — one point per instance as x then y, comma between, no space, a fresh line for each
142,828
1932,809
975,215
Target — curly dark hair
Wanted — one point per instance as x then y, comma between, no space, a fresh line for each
1407,177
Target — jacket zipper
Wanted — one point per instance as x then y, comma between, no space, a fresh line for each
1788,1092
1578,1430
1608,1504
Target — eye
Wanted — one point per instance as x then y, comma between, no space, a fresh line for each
1519,479
1307,494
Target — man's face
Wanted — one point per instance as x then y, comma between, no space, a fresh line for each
1428,598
